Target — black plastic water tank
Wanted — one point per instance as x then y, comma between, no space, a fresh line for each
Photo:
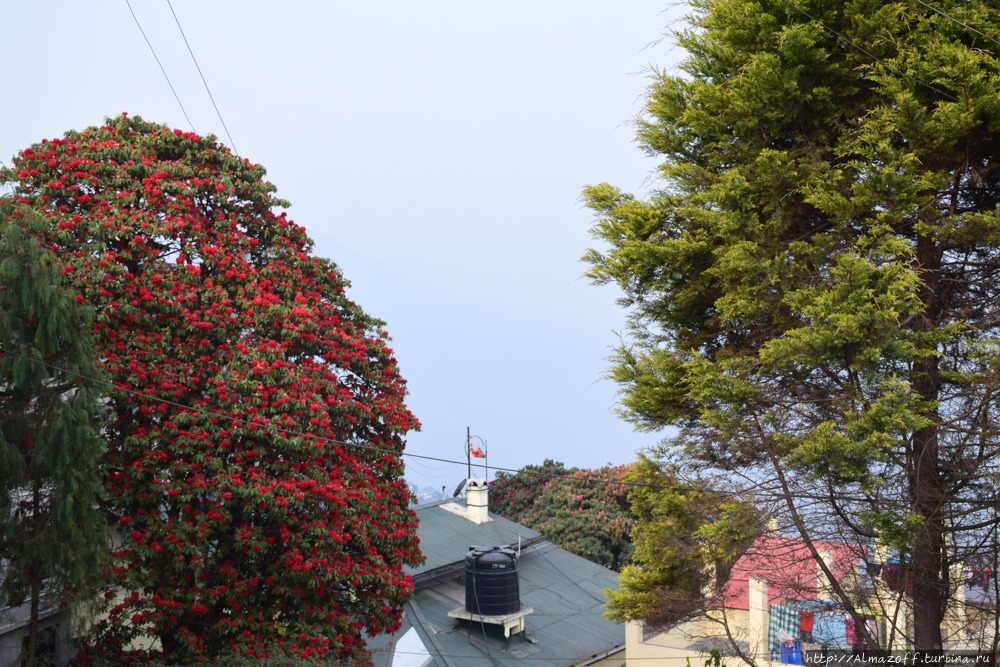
491,581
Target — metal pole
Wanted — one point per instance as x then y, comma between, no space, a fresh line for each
468,449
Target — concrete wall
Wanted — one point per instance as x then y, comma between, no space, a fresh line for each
14,632
695,639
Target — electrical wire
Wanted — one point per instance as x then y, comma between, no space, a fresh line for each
873,57
434,468
537,549
479,613
424,475
177,20
416,456
952,18
176,97
355,445
432,458
271,427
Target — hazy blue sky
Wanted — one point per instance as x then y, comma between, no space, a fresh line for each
436,151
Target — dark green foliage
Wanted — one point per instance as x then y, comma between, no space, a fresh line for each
52,538
686,541
279,527
588,518
814,288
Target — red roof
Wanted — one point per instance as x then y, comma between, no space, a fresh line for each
788,567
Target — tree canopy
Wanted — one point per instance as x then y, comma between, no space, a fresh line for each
253,464
686,541
585,512
53,538
813,286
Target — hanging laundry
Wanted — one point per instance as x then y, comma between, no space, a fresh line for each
893,576
791,653
807,618
785,618
979,576
853,636
860,649
830,628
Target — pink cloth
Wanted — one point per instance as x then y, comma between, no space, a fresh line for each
852,634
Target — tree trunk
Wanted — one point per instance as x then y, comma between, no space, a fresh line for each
29,659
34,576
924,477
928,600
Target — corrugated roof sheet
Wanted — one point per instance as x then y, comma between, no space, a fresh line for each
445,537
410,651
566,626
789,568
564,590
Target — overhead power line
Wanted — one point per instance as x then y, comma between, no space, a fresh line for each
577,478
870,55
231,143
272,427
952,18
176,97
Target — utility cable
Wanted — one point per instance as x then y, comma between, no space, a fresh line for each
355,445
537,549
176,97
272,427
427,467
952,18
231,143
873,57
479,613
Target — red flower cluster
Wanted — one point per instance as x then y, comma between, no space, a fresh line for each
237,531
586,512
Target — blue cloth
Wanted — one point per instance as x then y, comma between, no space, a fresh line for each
791,653
830,629
785,616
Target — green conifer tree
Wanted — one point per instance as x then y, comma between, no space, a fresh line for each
814,287
52,537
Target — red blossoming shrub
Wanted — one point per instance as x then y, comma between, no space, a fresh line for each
235,535
586,512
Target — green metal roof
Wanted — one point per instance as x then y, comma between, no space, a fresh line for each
565,591
567,626
445,538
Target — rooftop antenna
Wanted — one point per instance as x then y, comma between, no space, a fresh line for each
479,452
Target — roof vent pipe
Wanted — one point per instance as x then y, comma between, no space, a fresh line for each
477,501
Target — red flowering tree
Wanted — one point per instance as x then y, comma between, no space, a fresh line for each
586,512
253,460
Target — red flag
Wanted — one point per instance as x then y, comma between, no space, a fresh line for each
478,453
